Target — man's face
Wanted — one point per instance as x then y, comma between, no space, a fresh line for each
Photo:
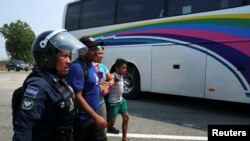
91,55
62,62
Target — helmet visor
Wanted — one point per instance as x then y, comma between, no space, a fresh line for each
65,42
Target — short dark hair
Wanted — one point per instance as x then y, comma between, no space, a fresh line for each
119,62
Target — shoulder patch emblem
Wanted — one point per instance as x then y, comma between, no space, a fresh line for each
27,104
31,92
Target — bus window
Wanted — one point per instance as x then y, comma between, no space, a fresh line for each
72,20
97,13
224,3
207,5
186,9
131,10
180,7
230,3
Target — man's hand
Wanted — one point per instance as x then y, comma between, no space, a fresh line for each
101,122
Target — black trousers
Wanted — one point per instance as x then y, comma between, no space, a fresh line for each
88,131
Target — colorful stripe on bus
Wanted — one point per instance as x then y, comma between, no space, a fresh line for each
226,35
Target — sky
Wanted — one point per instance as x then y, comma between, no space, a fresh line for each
40,15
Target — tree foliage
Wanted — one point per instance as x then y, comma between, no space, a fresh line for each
19,37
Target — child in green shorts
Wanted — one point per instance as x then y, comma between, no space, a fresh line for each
118,104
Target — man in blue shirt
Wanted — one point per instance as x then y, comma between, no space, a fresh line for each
83,78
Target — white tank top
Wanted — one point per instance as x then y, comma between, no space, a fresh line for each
115,95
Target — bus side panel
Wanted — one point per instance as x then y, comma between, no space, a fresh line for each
140,53
222,84
178,70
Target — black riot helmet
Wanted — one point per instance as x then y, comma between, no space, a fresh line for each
47,44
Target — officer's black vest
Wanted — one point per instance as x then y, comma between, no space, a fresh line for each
59,126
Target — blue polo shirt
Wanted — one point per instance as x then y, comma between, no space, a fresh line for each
90,87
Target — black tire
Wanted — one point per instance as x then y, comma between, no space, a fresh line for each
26,69
131,83
17,69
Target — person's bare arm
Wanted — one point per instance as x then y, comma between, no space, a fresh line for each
84,106
110,78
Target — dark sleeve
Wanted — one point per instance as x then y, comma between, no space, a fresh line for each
30,110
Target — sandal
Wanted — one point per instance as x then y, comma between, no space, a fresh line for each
125,139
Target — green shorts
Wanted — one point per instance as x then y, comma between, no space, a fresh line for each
118,108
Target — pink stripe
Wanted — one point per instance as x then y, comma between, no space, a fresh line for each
243,47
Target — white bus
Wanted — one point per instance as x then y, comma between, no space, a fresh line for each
195,48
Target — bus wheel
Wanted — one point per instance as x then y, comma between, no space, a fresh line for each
131,83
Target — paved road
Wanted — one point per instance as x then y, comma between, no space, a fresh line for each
152,116
8,82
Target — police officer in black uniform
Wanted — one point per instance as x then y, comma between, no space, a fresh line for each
47,108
